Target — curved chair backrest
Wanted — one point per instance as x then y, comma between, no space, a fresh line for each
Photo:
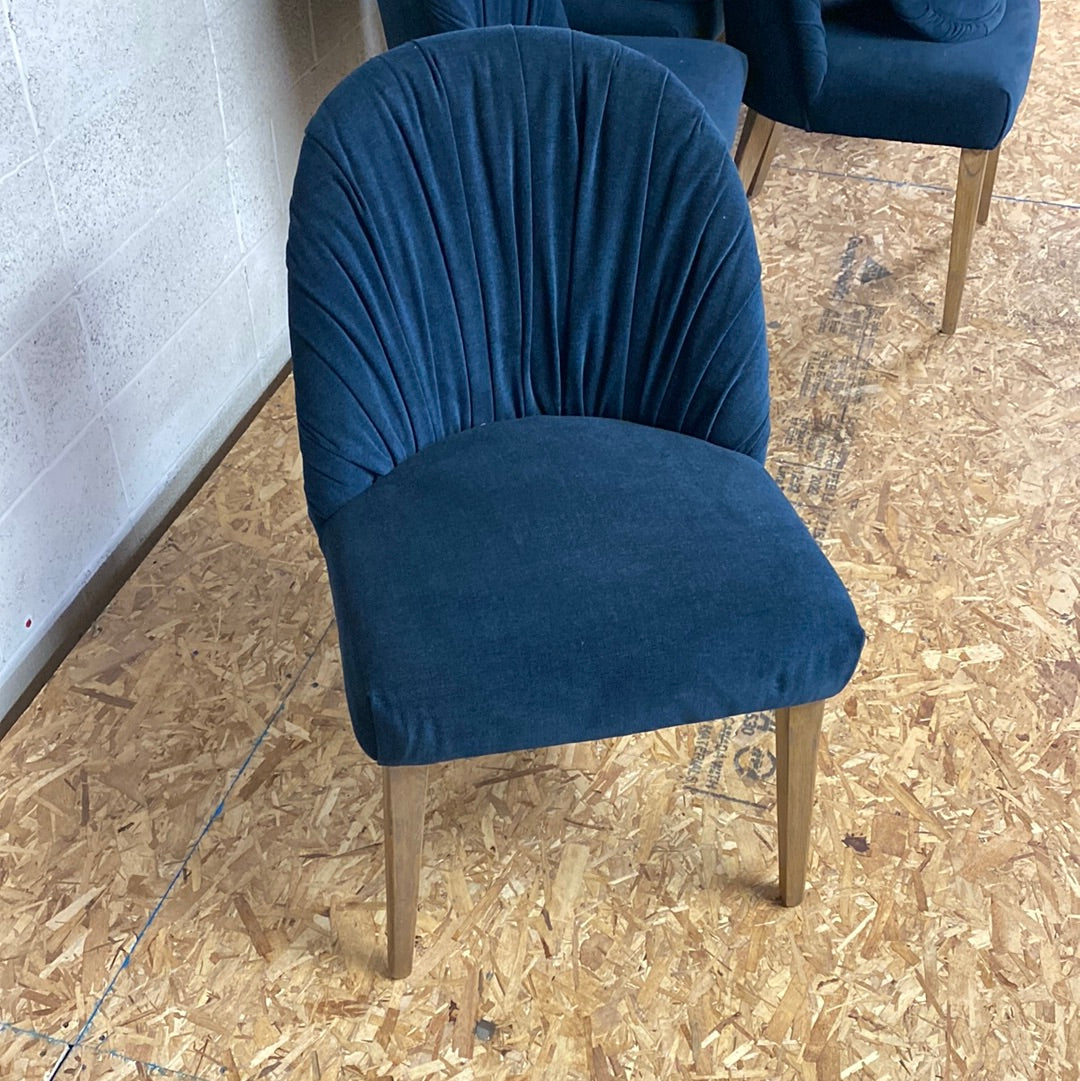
579,246
785,46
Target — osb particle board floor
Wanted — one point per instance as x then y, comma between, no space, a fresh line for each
190,840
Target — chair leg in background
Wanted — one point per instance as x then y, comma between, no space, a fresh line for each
989,175
754,154
969,184
404,793
797,730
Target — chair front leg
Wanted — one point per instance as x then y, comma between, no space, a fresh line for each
754,154
797,731
969,185
989,175
404,794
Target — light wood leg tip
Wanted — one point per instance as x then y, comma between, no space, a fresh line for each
791,898
400,970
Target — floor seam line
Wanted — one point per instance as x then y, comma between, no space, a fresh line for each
80,1039
69,1047
153,1067
18,1030
925,187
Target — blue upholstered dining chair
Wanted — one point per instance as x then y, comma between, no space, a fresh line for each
715,73
532,396
943,72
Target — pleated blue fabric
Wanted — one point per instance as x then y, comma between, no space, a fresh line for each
532,395
482,231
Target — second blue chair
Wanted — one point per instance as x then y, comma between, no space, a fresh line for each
713,72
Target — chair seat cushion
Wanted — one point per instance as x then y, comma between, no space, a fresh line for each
713,72
547,580
950,20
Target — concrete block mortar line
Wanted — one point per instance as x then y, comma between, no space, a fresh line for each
84,1032
5,17
226,141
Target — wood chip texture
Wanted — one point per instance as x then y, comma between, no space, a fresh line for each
191,873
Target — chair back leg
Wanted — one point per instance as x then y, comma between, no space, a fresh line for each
989,175
404,794
755,150
797,731
969,185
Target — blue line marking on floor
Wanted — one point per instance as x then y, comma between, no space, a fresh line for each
18,1030
151,1068
80,1040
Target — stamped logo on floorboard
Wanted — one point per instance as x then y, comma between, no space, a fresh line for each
734,758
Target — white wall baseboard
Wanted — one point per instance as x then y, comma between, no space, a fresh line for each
30,672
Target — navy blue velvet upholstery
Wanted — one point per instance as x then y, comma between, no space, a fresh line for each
854,68
480,230
647,18
406,20
468,14
714,73
532,394
950,20
540,581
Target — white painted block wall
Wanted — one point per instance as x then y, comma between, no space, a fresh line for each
147,151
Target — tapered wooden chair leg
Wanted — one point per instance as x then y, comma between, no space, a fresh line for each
797,731
765,161
404,793
754,153
987,190
748,148
969,183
